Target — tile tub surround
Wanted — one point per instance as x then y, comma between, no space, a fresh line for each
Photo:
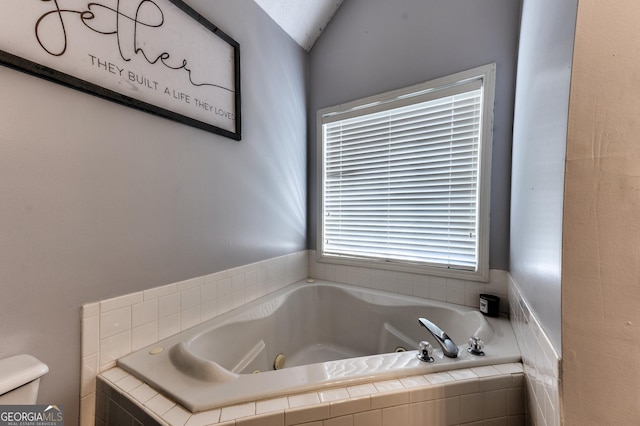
492,395
116,327
457,291
542,365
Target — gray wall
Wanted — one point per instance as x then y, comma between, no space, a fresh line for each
539,145
372,46
99,200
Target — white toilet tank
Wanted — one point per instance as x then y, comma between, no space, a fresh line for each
20,378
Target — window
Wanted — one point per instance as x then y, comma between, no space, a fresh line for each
405,178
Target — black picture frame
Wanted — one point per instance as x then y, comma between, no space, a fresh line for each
177,68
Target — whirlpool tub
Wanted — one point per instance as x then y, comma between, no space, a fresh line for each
310,336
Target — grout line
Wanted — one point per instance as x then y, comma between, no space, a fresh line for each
370,397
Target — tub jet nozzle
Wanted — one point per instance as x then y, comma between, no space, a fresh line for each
278,363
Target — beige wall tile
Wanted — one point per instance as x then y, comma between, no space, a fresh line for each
495,404
350,406
426,393
270,419
369,418
389,399
395,416
339,421
294,416
471,408
426,413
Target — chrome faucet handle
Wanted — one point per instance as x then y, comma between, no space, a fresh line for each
425,350
449,348
476,345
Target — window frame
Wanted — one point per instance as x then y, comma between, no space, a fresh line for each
486,74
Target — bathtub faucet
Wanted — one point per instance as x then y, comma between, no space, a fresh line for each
449,348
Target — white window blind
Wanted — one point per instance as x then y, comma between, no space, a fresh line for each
401,179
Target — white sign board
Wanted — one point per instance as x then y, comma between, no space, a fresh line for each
156,55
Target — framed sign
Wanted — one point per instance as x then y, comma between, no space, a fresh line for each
159,56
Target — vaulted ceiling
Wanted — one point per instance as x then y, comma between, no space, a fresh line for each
303,20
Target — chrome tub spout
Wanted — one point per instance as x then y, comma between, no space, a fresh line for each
449,349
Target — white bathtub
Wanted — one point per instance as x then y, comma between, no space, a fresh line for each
330,335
